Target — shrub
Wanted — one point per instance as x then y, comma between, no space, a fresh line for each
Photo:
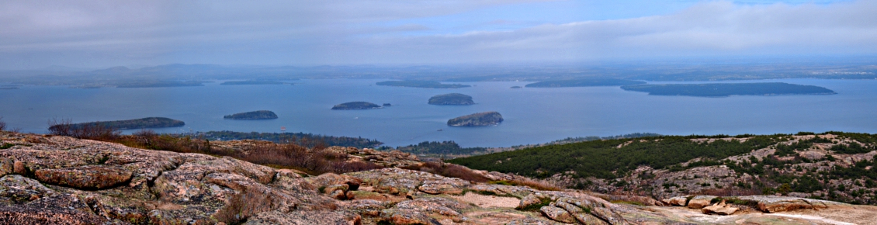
2,124
314,160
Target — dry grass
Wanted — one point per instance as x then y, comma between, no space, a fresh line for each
450,170
312,160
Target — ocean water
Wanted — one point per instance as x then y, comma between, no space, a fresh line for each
532,115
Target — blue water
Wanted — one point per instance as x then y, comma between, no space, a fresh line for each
532,115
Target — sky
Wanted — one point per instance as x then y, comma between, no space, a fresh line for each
99,34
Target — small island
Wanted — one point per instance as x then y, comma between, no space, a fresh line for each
420,84
253,82
476,120
254,115
451,99
9,87
516,87
588,82
160,83
149,122
355,105
728,89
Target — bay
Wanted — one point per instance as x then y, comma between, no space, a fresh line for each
532,115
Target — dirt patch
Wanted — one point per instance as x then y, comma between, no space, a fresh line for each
487,201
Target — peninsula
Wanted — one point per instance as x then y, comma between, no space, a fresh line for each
476,120
728,89
588,82
420,84
355,105
254,115
451,99
148,122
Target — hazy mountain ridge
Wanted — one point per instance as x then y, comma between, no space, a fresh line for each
716,71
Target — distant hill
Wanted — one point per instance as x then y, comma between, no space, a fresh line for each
356,105
254,115
588,82
451,99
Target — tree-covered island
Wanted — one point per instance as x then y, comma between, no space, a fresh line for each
254,115
356,105
451,99
728,89
149,122
420,84
476,120
253,82
588,82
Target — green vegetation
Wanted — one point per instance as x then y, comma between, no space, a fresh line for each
420,84
149,122
604,158
590,82
254,115
355,105
728,89
303,139
477,119
440,148
451,99
252,82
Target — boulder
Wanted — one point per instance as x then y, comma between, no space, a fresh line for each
452,186
700,201
557,214
86,177
783,205
720,208
676,201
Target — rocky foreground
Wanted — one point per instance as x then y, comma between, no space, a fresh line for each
62,180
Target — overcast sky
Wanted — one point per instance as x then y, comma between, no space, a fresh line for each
93,34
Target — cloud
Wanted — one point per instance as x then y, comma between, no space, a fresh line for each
712,28
100,33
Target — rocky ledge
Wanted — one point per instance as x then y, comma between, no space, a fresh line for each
62,180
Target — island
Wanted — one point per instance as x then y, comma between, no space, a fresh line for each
355,105
728,89
148,122
254,115
420,84
451,99
476,120
253,82
8,87
587,82
162,83
516,87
